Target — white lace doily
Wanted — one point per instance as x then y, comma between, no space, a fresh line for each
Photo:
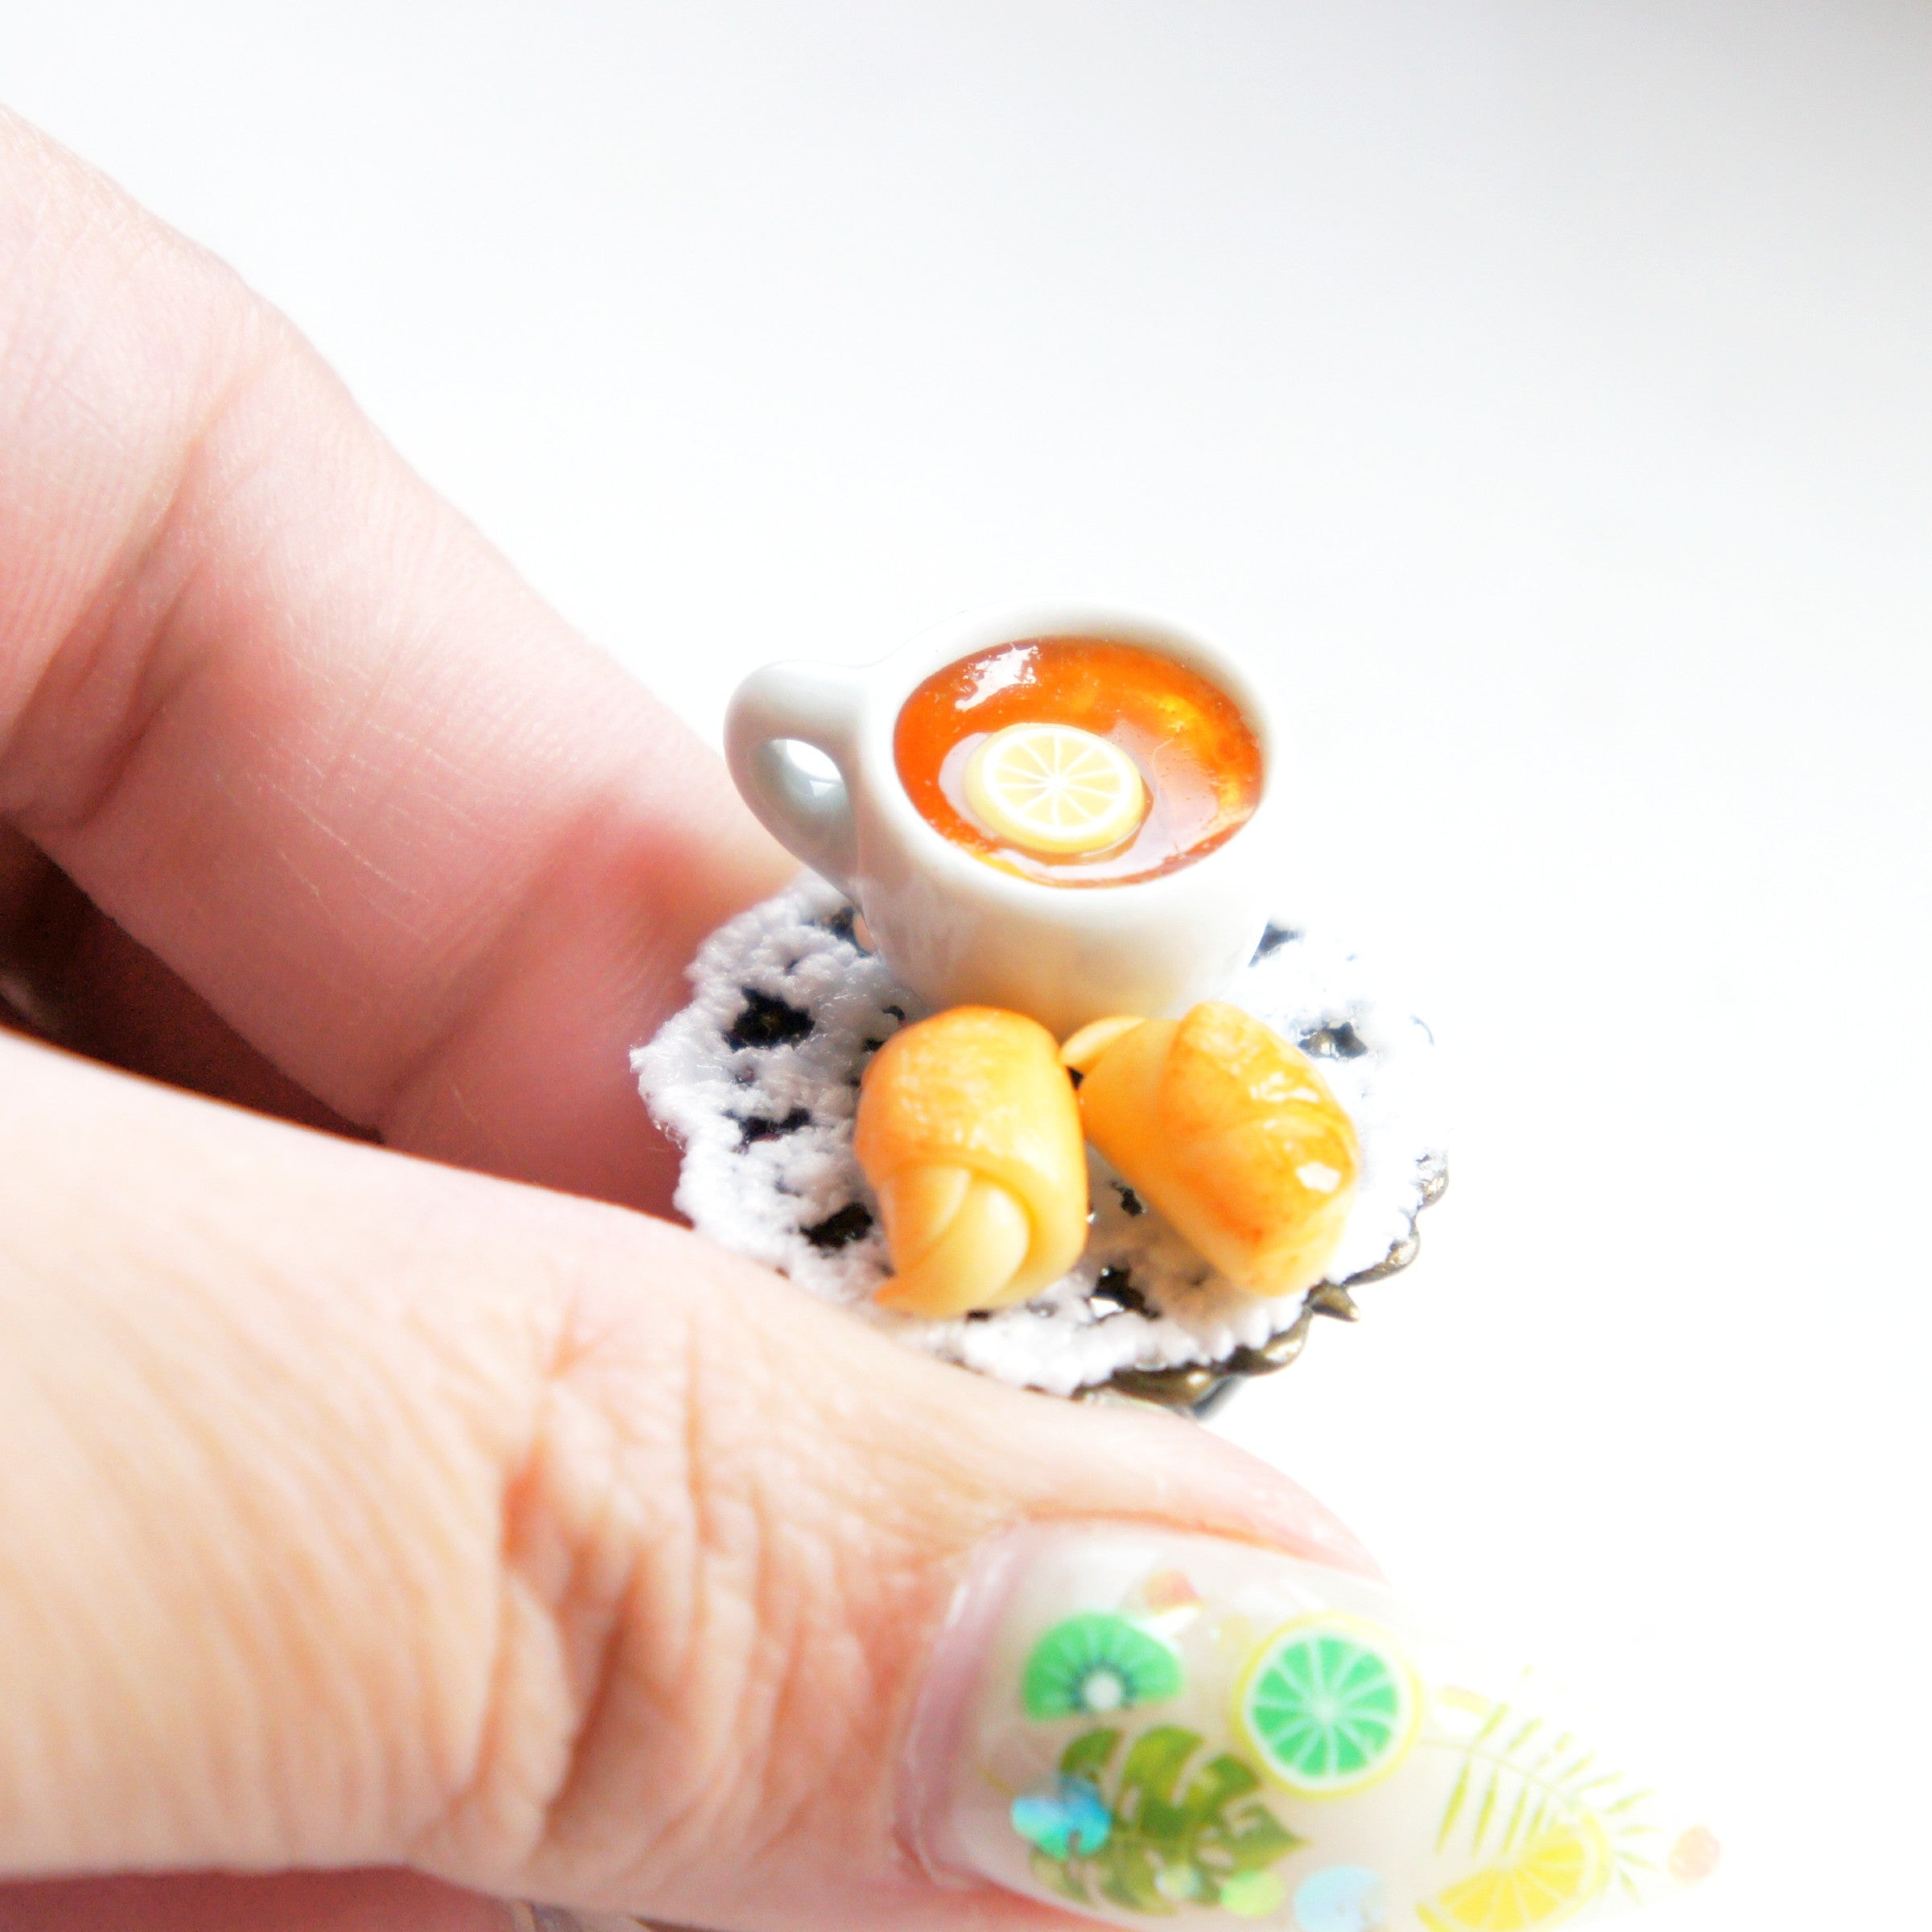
758,1079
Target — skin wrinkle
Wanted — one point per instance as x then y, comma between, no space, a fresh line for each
55,1634
482,939
613,1525
604,1556
605,1679
579,1614
344,752
494,964
318,824
476,1814
783,1570
59,233
594,1671
488,1141
84,650
537,1519
247,522
836,1722
461,998
130,248
782,1597
351,754
492,1830
392,1531
120,1473
232,358
343,1514
682,1674
703,1657
660,1649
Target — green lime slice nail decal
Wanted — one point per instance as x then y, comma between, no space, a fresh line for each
1094,1664
1328,1705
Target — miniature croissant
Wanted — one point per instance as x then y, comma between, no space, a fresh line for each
1226,1130
968,1131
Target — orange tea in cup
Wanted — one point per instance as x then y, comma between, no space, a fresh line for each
1077,760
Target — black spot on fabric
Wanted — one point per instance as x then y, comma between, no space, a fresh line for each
767,1022
760,1127
1115,1290
839,1230
1341,1043
1131,1202
898,1012
979,1315
840,925
1273,940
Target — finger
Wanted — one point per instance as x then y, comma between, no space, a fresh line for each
303,735
335,1901
360,1511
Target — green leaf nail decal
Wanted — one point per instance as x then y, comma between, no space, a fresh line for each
1094,1664
1535,1801
1205,1841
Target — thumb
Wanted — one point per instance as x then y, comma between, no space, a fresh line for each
362,1512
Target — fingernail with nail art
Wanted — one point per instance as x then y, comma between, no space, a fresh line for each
1140,1725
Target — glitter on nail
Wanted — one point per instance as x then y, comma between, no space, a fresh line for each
1341,1898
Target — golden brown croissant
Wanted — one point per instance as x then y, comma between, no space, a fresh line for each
969,1133
1220,1124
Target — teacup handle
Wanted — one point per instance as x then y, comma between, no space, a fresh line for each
815,705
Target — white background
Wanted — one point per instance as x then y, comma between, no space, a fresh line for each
1542,393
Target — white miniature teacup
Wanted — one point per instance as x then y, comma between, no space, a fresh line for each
955,929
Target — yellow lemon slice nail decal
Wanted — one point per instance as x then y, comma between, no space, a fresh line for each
1544,1883
1052,788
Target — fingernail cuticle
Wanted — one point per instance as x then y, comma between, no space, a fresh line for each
1160,1726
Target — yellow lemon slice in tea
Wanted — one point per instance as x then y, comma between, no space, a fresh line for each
1541,1886
1328,1705
1055,789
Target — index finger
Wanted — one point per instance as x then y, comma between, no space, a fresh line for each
289,720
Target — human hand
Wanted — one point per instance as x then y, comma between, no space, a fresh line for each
427,1531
